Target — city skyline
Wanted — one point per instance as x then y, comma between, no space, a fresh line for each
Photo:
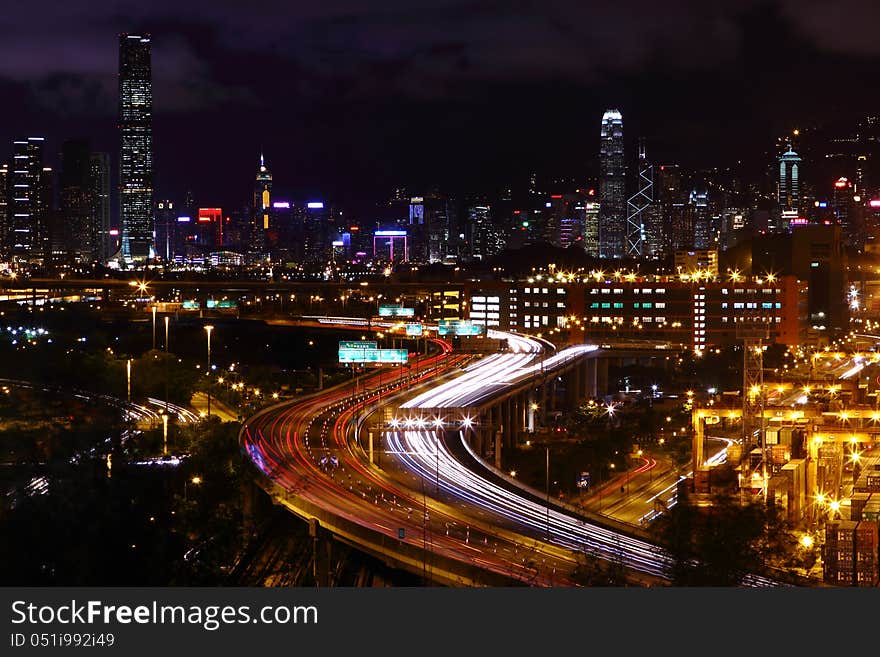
439,293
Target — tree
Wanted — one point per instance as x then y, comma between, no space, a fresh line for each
718,545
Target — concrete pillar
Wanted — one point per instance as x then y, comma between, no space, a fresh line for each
508,422
572,383
530,411
601,376
520,409
498,440
697,449
590,388
581,375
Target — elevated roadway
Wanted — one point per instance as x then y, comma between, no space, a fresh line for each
428,505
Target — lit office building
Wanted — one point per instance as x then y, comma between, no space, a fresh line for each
391,246
698,207
136,156
789,181
693,311
5,228
28,213
612,187
99,187
262,208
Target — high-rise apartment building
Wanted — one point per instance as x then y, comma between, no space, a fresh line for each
28,216
612,187
77,239
136,153
5,226
698,206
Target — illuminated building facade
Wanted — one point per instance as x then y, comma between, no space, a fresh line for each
262,207
5,229
612,187
692,311
29,215
789,181
638,208
136,154
210,228
391,245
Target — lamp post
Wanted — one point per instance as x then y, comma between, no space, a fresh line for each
196,480
154,326
167,375
165,433
209,328
547,489
128,379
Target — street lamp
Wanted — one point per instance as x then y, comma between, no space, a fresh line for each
167,321
154,309
195,481
128,379
209,328
547,488
164,433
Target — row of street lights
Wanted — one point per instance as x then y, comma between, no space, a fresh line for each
208,329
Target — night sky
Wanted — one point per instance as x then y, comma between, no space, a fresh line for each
349,99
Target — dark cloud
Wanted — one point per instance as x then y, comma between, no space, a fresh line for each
363,93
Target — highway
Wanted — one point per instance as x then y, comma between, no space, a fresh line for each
469,516
304,448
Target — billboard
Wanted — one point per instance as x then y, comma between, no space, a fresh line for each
211,303
458,327
378,356
413,329
358,344
396,311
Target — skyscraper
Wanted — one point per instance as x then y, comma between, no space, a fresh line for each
612,190
698,207
5,227
99,186
638,206
28,216
136,155
261,210
78,236
789,181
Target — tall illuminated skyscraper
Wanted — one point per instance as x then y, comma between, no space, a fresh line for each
136,154
789,180
612,190
5,226
261,211
28,214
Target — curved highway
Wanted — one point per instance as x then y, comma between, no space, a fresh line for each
426,495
